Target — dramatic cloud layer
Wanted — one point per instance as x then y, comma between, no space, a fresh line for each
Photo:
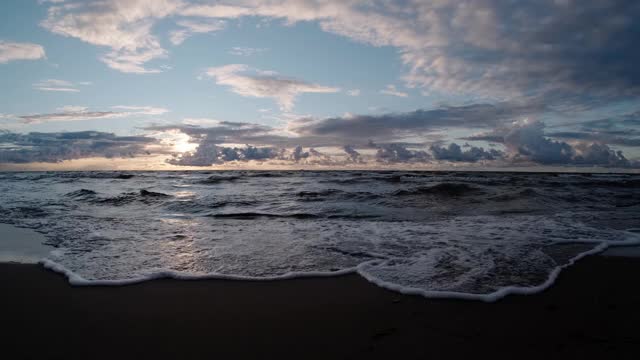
56,147
526,140
455,153
264,84
491,46
483,66
359,129
522,142
12,51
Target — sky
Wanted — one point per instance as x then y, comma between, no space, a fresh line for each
402,84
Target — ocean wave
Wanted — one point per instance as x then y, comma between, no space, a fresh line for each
211,180
443,189
318,195
143,196
257,215
526,193
82,194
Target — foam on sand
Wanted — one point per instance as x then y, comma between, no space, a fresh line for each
21,245
363,269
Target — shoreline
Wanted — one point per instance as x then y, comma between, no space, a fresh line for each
593,309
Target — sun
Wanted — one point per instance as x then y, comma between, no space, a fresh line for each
182,143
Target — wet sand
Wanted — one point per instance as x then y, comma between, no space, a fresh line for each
593,311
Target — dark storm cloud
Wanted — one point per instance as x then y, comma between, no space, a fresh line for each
223,132
455,153
353,154
523,141
208,153
387,127
566,52
527,140
397,153
56,147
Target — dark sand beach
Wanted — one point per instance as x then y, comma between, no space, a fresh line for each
593,311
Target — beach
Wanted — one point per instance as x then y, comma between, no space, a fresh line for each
592,311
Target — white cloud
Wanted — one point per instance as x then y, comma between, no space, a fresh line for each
123,26
59,85
354,92
391,90
245,51
249,82
189,28
12,51
142,110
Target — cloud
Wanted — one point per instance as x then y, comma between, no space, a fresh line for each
69,116
56,147
249,82
246,51
566,52
80,113
12,51
561,51
358,129
189,28
397,153
391,90
455,153
207,154
142,110
59,85
526,140
353,154
123,26
353,92
600,137
221,132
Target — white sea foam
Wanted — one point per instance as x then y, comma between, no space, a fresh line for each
361,269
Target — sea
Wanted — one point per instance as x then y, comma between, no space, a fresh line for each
469,235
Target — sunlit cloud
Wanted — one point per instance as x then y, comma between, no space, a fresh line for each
13,51
189,28
249,82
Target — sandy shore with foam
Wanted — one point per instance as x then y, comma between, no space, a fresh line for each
593,310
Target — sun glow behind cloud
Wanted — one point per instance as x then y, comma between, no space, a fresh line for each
182,143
